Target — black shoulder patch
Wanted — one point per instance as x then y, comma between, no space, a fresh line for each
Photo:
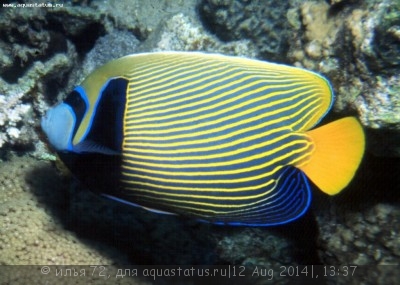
107,126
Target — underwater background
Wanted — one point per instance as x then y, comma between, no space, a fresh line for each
48,218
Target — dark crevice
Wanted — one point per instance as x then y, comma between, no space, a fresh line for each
83,40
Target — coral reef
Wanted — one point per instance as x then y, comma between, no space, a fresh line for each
24,100
346,44
363,238
367,239
355,44
31,192
360,227
12,113
49,218
32,60
29,233
40,47
184,34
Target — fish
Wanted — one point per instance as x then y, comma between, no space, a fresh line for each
221,139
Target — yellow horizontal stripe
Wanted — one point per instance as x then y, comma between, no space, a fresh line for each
140,74
216,155
246,123
165,79
231,212
200,165
179,91
217,173
140,98
200,189
136,113
264,68
151,76
134,130
198,210
209,197
137,146
143,147
160,95
169,60
214,205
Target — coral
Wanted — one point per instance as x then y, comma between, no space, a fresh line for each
150,15
375,45
23,101
382,47
356,46
12,114
184,34
380,108
39,48
32,57
26,39
260,22
29,233
124,43
377,48
313,38
47,218
360,226
365,238
31,195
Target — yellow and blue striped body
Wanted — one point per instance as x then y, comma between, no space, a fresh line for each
217,138
222,139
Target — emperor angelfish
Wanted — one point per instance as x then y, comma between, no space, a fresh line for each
222,139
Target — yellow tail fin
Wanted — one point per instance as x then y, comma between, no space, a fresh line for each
339,147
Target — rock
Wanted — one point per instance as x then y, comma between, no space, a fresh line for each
261,23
